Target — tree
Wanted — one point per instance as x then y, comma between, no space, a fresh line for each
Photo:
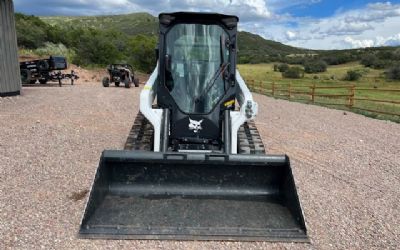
141,51
293,72
97,47
31,31
369,60
339,57
283,67
393,73
55,50
315,66
381,64
352,75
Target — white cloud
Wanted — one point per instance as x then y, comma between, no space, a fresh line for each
346,28
359,43
380,6
248,11
392,40
280,4
290,35
364,27
378,41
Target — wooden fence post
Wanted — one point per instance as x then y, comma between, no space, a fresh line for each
351,97
264,88
290,91
273,88
313,93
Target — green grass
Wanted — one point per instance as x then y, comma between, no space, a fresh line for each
263,75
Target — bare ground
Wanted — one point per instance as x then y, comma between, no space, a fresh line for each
347,169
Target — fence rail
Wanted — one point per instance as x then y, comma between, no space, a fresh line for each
350,94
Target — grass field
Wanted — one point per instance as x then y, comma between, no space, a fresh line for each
263,75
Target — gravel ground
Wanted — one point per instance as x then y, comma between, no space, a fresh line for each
346,166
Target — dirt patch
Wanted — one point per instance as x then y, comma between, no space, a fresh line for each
24,58
86,75
80,195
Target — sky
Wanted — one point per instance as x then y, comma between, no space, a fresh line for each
313,24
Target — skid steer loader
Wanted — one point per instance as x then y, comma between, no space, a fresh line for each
194,166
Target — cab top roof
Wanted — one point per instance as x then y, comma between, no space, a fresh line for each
168,19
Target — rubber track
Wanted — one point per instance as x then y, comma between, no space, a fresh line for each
141,137
249,140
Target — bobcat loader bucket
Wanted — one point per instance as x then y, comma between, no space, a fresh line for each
148,195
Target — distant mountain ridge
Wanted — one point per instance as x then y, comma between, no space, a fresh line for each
252,48
250,45
131,24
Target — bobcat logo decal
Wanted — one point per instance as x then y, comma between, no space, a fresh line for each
195,125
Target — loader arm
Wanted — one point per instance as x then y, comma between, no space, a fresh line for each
248,110
147,97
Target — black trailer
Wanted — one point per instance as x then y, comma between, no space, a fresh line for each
45,70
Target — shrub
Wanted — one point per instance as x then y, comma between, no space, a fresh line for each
369,60
55,50
275,67
315,66
396,54
293,72
295,60
283,67
380,64
385,55
97,47
352,75
31,31
338,58
244,59
393,73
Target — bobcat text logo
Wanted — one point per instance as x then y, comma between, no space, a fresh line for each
195,125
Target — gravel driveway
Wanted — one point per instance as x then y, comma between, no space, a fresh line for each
346,166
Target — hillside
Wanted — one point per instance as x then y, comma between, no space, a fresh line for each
131,24
252,48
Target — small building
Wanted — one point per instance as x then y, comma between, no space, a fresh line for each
10,79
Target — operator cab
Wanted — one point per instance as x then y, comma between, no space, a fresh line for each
197,76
